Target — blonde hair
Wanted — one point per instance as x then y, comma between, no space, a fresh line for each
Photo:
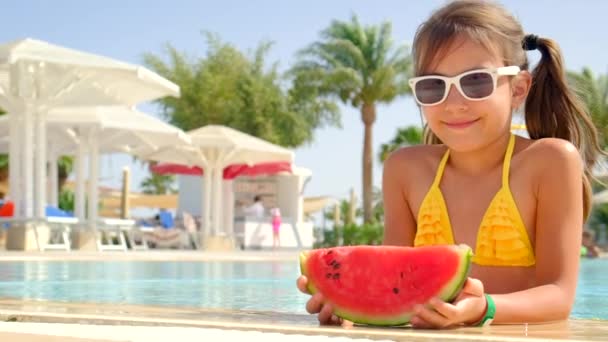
551,109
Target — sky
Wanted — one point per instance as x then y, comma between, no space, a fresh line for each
125,30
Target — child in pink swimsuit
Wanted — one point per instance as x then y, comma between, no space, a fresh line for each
276,226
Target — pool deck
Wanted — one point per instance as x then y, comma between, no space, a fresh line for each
74,322
151,255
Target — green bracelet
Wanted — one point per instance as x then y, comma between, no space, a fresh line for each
490,312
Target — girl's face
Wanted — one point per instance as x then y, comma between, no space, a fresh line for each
466,125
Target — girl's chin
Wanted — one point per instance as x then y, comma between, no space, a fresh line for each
462,144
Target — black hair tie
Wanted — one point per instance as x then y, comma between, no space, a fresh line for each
530,42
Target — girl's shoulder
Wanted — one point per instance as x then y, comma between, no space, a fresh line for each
548,153
412,161
417,153
548,162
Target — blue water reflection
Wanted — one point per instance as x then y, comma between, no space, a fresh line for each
229,285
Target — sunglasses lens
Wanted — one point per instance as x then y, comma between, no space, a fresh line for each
477,85
430,90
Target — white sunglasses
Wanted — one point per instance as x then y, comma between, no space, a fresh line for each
474,85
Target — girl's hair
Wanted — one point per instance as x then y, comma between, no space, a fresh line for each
551,109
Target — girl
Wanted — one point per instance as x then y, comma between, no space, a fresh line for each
276,227
520,203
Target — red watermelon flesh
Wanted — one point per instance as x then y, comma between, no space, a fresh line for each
380,285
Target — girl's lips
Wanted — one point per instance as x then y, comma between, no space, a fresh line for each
460,124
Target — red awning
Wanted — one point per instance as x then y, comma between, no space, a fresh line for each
230,172
271,168
176,169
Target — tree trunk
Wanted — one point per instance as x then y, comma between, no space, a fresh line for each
62,178
3,174
368,116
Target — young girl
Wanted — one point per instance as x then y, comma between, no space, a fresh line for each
276,227
519,203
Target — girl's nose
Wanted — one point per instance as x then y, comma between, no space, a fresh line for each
455,102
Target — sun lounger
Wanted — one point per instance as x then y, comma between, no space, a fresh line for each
110,234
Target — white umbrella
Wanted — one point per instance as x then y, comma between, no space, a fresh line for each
35,77
214,148
74,130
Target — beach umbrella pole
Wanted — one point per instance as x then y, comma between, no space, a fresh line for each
40,161
15,161
53,196
27,171
206,210
93,175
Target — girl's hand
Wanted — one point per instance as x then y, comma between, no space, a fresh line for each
315,305
469,307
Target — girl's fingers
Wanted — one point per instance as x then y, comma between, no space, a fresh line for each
446,310
435,319
473,287
315,303
326,315
302,282
419,323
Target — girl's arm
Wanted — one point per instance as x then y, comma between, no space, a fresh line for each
399,224
559,222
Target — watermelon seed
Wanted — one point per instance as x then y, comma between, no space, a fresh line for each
332,262
336,275
395,290
336,266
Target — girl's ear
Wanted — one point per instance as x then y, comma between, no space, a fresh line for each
520,86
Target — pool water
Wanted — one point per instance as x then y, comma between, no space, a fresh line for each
227,285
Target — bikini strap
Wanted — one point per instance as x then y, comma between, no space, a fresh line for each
440,169
506,165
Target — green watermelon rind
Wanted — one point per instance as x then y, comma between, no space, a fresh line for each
448,293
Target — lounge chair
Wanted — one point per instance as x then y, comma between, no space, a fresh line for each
110,234
167,235
59,223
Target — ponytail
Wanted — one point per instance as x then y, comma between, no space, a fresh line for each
553,110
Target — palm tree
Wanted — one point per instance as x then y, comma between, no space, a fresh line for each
410,135
594,92
358,65
156,184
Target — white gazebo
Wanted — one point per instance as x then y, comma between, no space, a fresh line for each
37,77
90,131
213,149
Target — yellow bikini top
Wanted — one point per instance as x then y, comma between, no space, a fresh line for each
502,239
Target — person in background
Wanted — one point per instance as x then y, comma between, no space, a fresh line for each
588,247
256,209
276,227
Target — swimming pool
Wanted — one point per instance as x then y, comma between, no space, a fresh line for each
264,286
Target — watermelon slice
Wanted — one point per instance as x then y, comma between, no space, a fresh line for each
380,285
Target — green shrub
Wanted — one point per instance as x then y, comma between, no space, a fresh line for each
351,235
66,200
